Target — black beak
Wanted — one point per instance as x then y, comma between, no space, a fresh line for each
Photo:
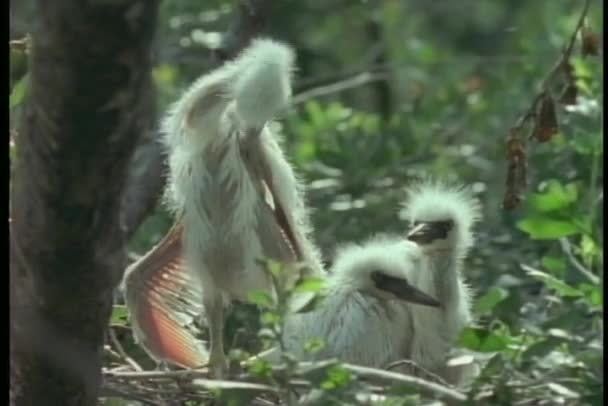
408,293
403,290
427,232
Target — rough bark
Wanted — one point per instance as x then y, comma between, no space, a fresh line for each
89,80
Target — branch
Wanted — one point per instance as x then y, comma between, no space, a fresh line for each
567,249
89,77
546,124
198,378
346,84
387,376
560,64
121,351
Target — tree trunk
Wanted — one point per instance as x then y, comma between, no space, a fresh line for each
89,81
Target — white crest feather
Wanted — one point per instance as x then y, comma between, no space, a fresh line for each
393,255
263,85
431,200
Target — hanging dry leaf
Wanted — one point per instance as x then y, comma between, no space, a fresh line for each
516,171
590,42
545,126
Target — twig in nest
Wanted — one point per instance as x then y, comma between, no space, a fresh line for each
122,352
437,389
346,84
171,375
417,370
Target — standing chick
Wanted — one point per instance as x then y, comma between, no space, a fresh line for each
442,218
362,320
235,196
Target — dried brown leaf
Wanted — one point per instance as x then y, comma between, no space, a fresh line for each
516,171
546,125
590,42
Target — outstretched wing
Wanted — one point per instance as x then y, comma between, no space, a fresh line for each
163,300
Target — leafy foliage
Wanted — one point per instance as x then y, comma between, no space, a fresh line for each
459,75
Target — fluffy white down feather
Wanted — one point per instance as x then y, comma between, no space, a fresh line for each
356,325
436,332
219,147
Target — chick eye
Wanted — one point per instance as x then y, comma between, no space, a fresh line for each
445,226
385,282
377,276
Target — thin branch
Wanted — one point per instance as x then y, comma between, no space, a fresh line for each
114,392
347,84
516,179
567,249
143,375
122,352
198,377
212,384
417,369
437,389
560,64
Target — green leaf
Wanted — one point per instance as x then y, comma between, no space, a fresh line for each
312,285
494,365
337,377
540,348
314,345
262,299
481,340
561,287
260,368
589,250
164,75
555,197
555,265
594,294
120,314
269,318
19,91
543,228
311,305
486,303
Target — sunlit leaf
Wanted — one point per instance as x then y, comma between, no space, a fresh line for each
487,302
543,228
555,265
337,377
19,91
164,75
481,340
120,315
314,345
594,294
270,318
262,299
556,197
313,285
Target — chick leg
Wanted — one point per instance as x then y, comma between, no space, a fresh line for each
215,312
